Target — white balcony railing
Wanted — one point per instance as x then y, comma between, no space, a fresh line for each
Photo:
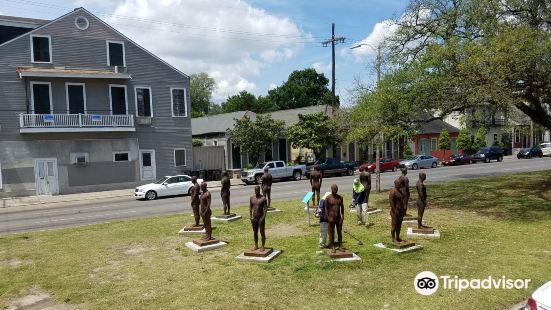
75,122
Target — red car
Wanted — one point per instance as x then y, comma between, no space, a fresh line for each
458,160
385,164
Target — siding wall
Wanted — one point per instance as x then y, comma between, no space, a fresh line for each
87,49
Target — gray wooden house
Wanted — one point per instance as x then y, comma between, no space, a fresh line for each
84,108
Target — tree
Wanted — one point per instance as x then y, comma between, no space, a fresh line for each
303,88
407,150
480,137
201,88
314,131
245,101
255,138
444,142
473,53
464,141
197,142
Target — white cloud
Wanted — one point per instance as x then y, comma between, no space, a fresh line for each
229,39
272,86
382,31
322,67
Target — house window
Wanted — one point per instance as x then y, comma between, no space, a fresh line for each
41,48
117,96
41,97
433,144
178,99
76,98
80,158
115,54
143,102
179,157
121,156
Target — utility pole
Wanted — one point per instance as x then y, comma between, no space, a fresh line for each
334,41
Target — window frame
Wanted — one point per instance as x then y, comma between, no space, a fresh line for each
150,99
121,152
67,84
32,83
185,157
111,99
123,52
49,48
435,144
172,101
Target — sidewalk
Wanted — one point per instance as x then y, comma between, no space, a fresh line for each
83,197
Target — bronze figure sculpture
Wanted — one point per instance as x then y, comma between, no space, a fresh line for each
206,212
334,208
195,200
257,211
397,212
315,183
267,185
225,193
421,199
405,189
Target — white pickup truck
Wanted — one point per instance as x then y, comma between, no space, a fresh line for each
278,169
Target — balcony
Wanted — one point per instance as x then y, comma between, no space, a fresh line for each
47,123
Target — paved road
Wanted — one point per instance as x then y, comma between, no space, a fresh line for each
21,219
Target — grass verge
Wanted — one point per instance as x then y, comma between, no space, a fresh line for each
497,226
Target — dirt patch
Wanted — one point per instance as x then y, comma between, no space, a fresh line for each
284,230
112,266
135,250
14,263
37,299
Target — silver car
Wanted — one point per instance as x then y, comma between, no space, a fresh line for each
420,161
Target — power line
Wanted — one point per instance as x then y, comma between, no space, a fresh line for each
333,41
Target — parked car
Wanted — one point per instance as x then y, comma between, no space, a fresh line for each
540,299
278,169
420,161
546,148
459,159
535,151
165,186
384,164
486,154
332,166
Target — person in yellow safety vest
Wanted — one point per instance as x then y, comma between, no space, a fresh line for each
359,201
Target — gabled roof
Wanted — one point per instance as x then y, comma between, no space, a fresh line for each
219,123
436,126
78,10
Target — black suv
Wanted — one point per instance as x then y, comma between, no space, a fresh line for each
486,154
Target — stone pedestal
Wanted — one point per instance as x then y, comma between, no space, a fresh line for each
423,233
373,211
201,245
191,230
273,210
410,218
226,217
265,256
402,247
345,256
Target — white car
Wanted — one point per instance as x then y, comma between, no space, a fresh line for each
546,148
540,299
165,186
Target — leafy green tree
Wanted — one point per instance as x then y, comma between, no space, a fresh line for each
245,101
473,53
201,88
303,88
444,141
314,131
464,140
480,137
407,150
197,142
256,137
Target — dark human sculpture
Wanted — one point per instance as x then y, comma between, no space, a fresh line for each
257,211
225,193
267,186
334,208
205,211
397,212
195,200
421,199
315,183
405,189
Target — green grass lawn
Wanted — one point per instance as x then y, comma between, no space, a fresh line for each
497,226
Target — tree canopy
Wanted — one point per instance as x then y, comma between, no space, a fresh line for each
316,132
245,101
459,55
201,89
444,141
256,137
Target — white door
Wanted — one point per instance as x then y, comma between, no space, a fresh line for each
45,171
147,165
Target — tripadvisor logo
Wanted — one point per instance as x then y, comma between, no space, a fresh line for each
427,283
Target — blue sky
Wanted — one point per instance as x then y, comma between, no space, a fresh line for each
245,45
